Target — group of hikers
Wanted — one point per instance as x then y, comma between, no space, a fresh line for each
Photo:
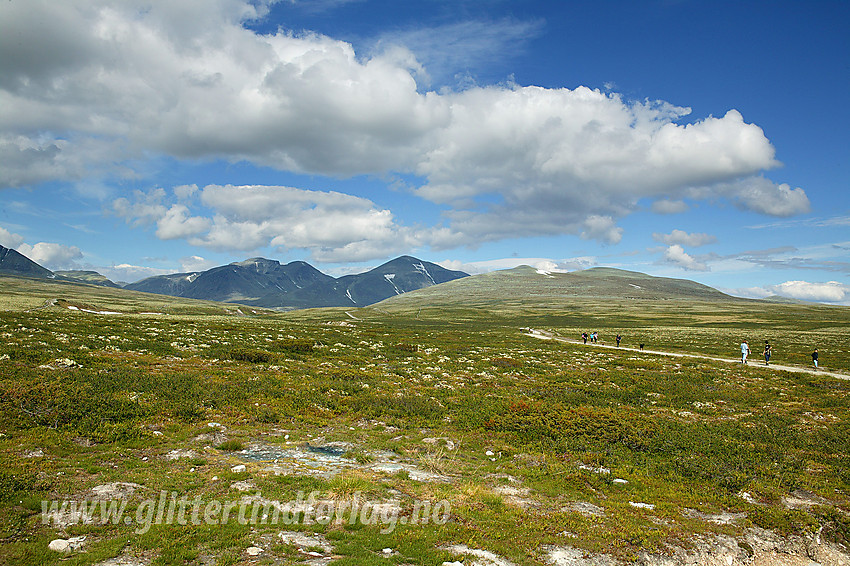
768,350
594,338
745,348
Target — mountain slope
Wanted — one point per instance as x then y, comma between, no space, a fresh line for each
91,277
174,284
14,263
267,283
513,288
256,281
401,275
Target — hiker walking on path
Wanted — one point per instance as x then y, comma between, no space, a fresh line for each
815,358
745,350
584,337
618,340
767,352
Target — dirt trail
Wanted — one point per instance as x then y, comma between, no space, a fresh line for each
543,335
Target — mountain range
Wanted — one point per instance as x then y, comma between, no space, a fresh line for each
268,283
263,282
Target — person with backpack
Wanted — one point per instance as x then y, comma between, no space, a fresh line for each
767,351
815,358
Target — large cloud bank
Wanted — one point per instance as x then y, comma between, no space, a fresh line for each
89,88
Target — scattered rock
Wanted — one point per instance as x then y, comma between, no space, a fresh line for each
413,472
759,547
483,557
594,469
723,518
304,541
242,485
37,453
66,545
59,545
211,438
569,556
177,454
749,498
802,499
254,551
239,468
639,505
115,490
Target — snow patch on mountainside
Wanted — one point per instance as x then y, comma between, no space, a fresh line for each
420,267
389,277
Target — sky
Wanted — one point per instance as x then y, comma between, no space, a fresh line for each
705,140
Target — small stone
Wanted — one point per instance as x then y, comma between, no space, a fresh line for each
239,468
253,551
455,563
157,433
387,551
490,453
59,545
620,480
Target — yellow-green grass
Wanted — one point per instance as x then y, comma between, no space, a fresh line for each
87,391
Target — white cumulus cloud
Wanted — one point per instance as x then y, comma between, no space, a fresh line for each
195,263
542,264
830,291
52,256
676,255
91,88
332,226
10,239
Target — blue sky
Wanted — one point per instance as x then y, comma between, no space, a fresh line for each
693,139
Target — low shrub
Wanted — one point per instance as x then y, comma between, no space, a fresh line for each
576,428
12,482
785,521
231,446
295,345
251,355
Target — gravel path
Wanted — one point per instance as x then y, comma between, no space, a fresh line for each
543,335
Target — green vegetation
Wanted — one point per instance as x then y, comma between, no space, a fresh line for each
513,432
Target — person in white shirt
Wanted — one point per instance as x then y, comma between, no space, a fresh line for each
745,350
